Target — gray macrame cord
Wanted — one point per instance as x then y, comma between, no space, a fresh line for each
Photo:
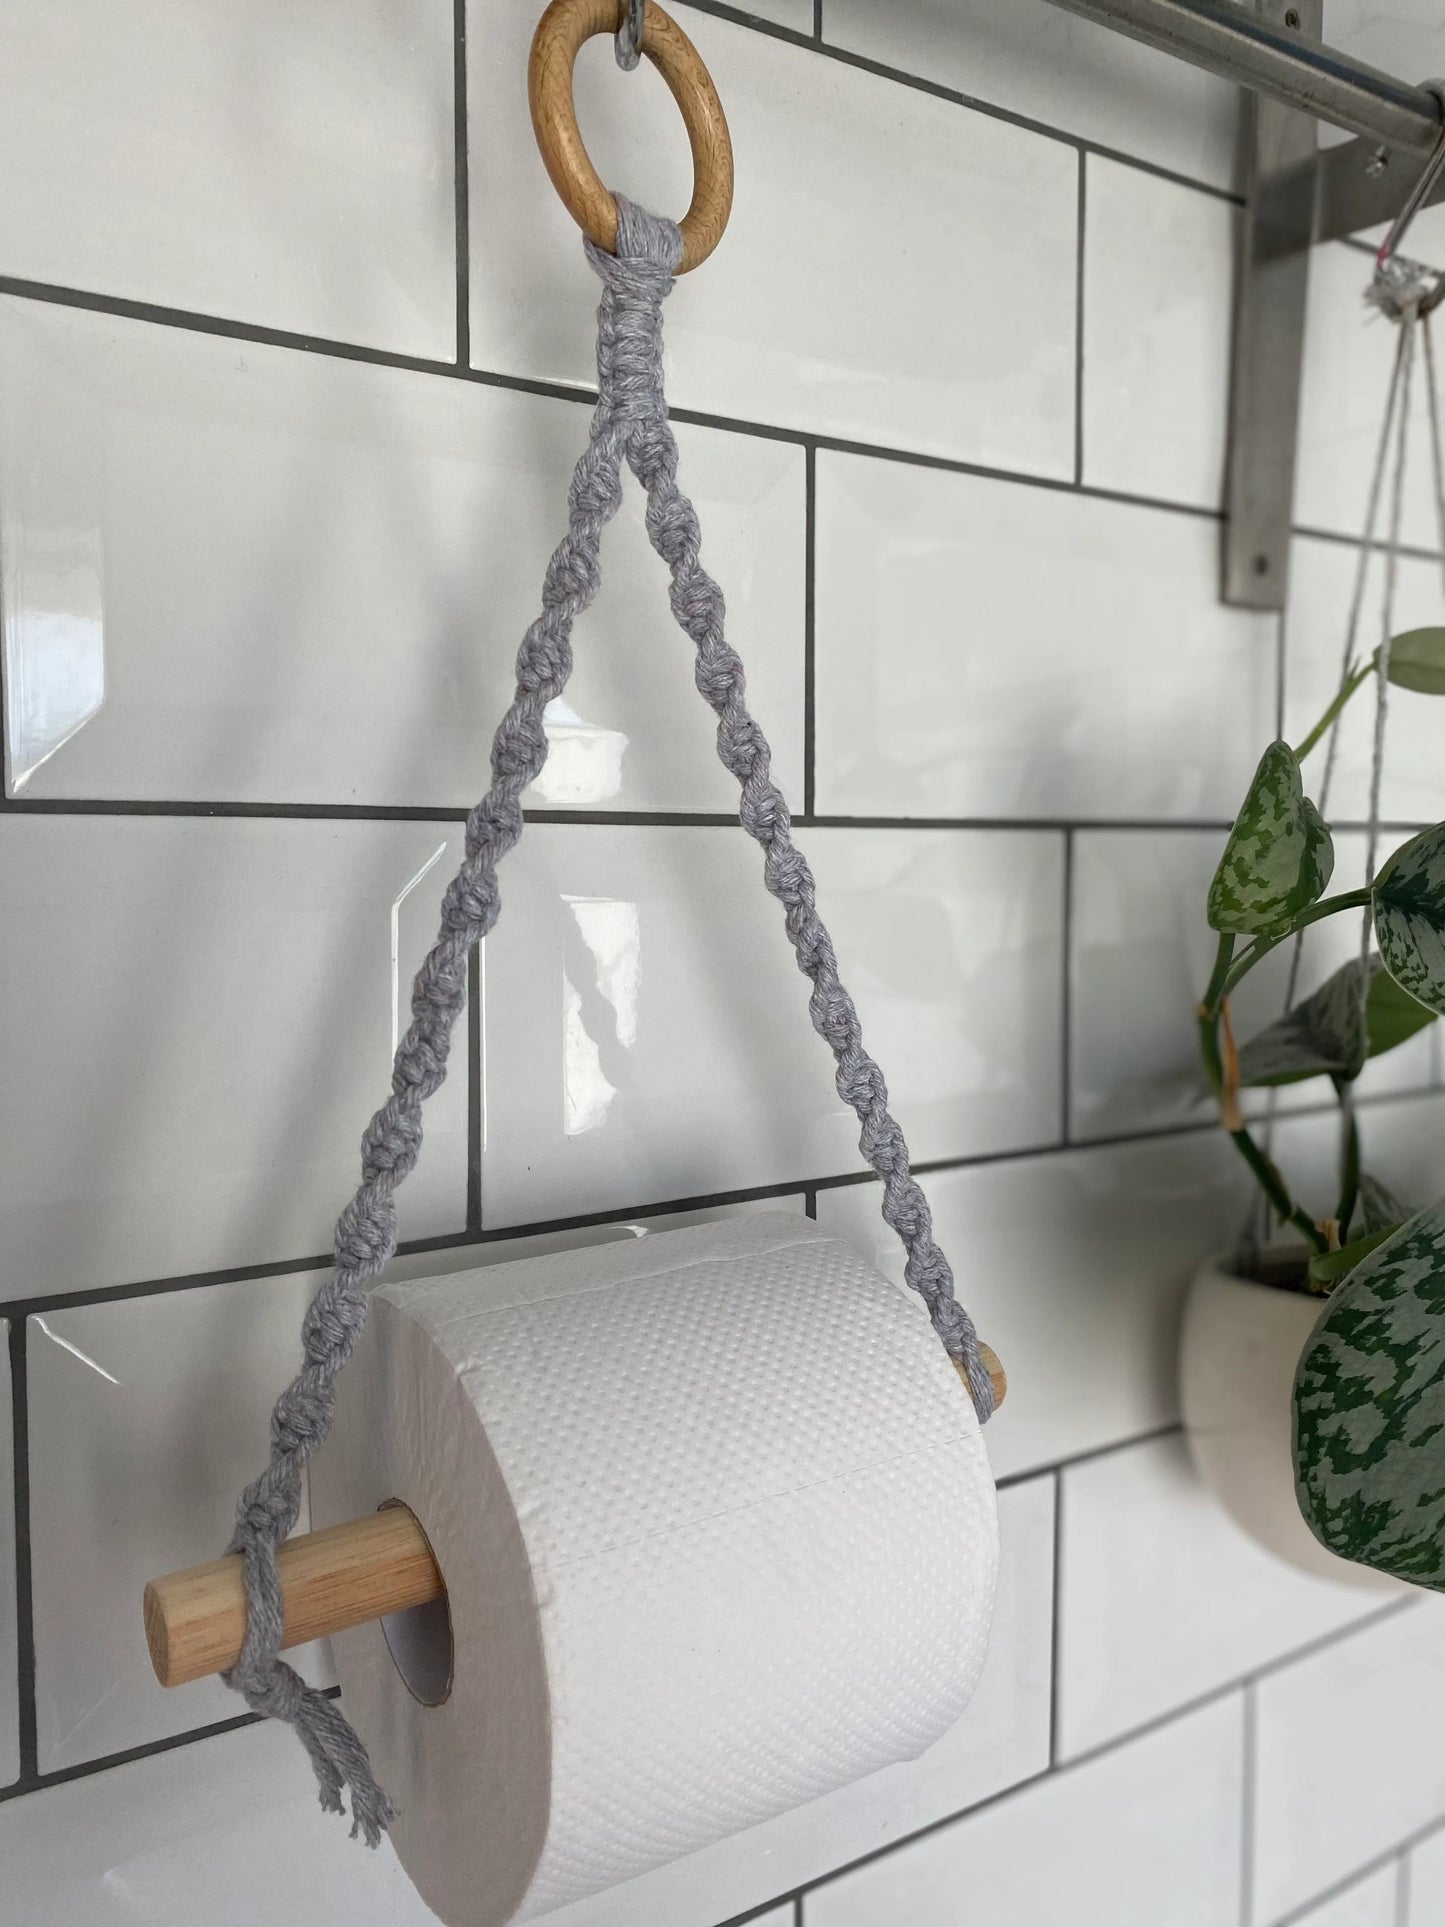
630,422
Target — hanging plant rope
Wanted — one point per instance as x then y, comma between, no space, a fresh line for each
1406,293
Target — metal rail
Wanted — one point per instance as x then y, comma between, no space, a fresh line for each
1277,59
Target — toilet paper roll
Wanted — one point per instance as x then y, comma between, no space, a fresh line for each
718,1534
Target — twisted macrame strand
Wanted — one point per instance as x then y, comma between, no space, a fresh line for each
630,421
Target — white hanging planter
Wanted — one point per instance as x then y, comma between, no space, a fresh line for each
1239,1348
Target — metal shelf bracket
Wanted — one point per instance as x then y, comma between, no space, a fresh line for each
1297,195
1271,288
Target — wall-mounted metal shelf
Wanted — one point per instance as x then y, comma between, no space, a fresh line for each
1296,194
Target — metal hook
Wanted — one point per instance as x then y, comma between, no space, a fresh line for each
629,35
1419,193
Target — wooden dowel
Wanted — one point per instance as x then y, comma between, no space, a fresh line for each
993,1365
339,1577
195,1620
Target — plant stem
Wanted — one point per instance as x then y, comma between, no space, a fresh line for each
1211,1013
1347,689
1350,1162
1261,946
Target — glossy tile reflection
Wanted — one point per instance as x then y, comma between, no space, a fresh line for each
199,1075
9,1682
281,165
127,1482
957,678
273,577
646,1032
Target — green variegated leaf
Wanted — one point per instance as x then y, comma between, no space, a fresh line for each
1369,1409
1417,661
1409,907
1327,1270
1324,1033
1279,855
1392,1015
1380,1208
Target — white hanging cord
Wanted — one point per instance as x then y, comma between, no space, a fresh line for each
1259,1216
1420,192
1394,421
1437,457
1409,323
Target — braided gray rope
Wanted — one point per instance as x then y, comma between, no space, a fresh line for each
630,421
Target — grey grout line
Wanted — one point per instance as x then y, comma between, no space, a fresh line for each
185,809
1307,532
1399,1853
1066,995
461,176
810,629
1248,1781
474,1091
1079,272
1088,1454
87,1769
818,41
1404,1868
1056,1603
24,1594
990,110
191,321
41,1302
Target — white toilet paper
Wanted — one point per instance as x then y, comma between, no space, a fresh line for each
718,1533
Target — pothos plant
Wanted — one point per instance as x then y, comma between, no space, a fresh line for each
1369,1398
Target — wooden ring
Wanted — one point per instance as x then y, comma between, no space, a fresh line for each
560,33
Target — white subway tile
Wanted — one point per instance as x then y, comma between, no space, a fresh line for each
1074,1267
1149,1835
1403,1142
201,1014
1075,75
1001,1740
1349,353
1163,1599
1143,951
1371,1902
1347,1760
291,578
994,650
147,1417
1424,1879
797,14
898,269
9,1684
646,1033
274,164
1322,581
226,1831
1158,273
1407,37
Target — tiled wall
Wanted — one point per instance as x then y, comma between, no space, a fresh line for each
291,377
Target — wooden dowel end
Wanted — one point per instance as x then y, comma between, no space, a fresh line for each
342,1576
993,1365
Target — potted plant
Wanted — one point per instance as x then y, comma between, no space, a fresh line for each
1313,1370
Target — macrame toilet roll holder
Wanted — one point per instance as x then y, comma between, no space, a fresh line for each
237,1613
